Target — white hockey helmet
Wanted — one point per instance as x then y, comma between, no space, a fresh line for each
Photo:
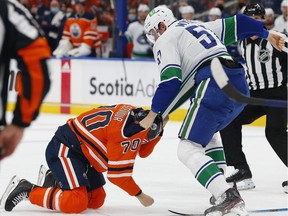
159,14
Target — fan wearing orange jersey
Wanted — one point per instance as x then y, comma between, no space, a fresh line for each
107,138
80,36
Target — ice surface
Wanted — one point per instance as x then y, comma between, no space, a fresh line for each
161,175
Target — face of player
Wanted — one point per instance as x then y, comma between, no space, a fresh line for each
259,18
153,35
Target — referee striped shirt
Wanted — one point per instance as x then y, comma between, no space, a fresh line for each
266,67
22,39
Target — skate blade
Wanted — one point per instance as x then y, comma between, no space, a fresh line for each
41,175
11,186
246,184
216,213
285,188
238,210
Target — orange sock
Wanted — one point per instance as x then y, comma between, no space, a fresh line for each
68,201
96,198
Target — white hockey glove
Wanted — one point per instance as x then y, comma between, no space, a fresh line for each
82,50
63,47
145,199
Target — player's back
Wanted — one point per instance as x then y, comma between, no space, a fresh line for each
187,44
97,128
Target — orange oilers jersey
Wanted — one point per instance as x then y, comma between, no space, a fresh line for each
103,142
81,30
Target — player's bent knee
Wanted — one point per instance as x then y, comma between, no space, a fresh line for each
74,201
188,150
96,198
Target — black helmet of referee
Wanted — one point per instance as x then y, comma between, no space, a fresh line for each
255,10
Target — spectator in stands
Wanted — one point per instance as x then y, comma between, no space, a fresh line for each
69,11
274,4
214,13
135,34
269,18
132,15
80,35
53,23
220,4
281,22
187,12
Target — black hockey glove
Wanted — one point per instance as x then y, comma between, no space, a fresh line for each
156,128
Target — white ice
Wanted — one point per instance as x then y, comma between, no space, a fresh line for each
161,175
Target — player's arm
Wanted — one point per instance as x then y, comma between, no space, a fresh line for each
147,148
167,90
238,27
120,169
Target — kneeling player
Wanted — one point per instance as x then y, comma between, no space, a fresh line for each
103,139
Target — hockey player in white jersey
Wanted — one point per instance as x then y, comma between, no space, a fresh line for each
183,51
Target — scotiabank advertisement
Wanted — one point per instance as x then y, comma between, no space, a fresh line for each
79,84
113,82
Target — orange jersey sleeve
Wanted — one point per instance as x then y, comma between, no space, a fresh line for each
33,82
147,148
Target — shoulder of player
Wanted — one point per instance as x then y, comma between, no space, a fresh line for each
168,39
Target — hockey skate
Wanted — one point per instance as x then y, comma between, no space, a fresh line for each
45,177
242,178
230,203
11,186
285,186
16,192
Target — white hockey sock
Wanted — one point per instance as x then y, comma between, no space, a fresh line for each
215,150
203,167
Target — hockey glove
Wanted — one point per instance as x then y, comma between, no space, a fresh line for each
62,49
82,50
156,128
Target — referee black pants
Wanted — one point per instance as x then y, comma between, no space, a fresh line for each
275,130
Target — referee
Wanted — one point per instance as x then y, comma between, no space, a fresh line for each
21,39
266,70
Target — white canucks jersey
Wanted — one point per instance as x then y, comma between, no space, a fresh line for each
186,45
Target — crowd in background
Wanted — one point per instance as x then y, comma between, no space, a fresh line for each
52,15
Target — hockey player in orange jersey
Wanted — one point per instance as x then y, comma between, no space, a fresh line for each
103,139
80,36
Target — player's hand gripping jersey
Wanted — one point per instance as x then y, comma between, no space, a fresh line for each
181,51
109,141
